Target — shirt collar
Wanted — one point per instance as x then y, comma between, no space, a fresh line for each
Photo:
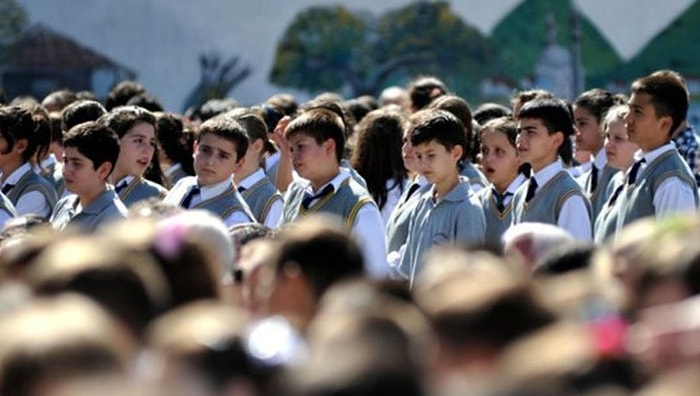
14,177
251,179
172,169
459,193
101,202
600,159
513,186
548,172
650,156
124,180
213,190
336,182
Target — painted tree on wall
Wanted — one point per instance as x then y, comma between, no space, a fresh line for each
332,48
13,21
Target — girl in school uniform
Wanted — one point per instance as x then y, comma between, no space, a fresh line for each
499,158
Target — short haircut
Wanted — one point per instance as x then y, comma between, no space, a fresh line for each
16,123
488,111
95,141
460,108
226,128
555,116
79,112
423,90
598,101
122,92
122,119
669,96
436,125
321,124
310,244
252,121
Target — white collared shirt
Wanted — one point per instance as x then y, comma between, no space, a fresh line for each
171,170
213,190
599,162
672,195
574,216
274,214
512,188
31,202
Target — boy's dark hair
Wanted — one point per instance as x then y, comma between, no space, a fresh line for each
309,245
121,93
214,107
522,97
668,95
79,112
16,123
56,129
145,100
175,141
43,130
227,128
122,119
86,95
360,106
424,90
488,111
95,141
556,117
598,101
333,102
436,125
254,125
321,124
59,99
460,109
284,103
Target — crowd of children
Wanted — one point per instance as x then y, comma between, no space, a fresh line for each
394,246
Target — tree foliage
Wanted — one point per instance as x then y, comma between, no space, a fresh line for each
13,22
332,48
217,78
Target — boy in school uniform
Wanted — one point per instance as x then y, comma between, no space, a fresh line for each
659,183
317,140
551,195
219,152
28,191
136,129
90,152
449,211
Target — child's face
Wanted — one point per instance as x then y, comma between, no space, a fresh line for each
309,157
499,159
79,173
619,150
9,156
136,150
215,159
436,162
644,127
589,136
535,145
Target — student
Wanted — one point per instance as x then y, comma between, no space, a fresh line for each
23,186
620,154
317,141
499,158
91,150
424,90
551,194
137,140
660,182
589,111
259,192
219,153
377,157
460,109
175,148
448,212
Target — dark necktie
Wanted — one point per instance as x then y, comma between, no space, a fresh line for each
308,198
594,180
632,176
531,188
241,189
188,198
500,199
7,188
412,189
120,187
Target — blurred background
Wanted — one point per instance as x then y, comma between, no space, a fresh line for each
185,52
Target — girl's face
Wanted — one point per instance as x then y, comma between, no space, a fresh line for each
589,136
619,149
499,159
409,154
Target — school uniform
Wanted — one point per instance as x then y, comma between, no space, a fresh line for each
29,192
605,223
222,199
658,184
477,180
397,225
133,189
105,208
457,217
7,210
558,199
262,197
346,198
174,174
596,182
498,209
394,191
52,170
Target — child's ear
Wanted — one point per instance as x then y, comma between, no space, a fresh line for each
104,170
665,124
258,145
20,145
457,152
558,139
239,164
329,146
